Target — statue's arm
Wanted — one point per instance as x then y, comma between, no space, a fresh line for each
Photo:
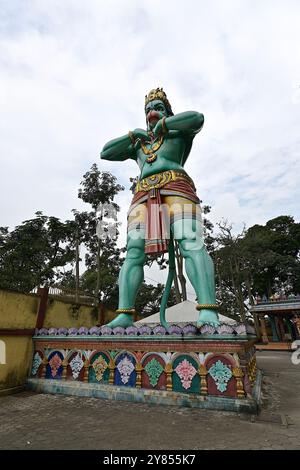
119,149
189,122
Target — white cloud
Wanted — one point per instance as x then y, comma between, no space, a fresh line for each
74,74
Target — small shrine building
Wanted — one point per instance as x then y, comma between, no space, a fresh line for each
277,322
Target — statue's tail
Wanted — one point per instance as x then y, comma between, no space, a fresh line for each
164,300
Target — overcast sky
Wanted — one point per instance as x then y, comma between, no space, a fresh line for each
74,74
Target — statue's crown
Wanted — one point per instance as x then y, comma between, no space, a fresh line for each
159,94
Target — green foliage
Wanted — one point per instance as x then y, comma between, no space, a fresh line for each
34,253
261,260
98,231
99,187
272,255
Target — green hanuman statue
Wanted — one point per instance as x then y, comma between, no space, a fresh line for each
165,207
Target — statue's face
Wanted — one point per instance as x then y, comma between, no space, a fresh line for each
155,110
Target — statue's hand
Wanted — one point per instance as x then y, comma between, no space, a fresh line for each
140,134
158,129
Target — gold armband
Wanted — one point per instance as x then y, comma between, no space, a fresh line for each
130,311
207,306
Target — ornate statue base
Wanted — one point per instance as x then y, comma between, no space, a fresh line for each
211,368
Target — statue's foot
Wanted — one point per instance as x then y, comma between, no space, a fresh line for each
123,319
208,317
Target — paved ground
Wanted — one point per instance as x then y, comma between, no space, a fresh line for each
34,421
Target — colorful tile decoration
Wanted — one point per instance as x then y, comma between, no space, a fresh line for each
113,354
131,330
154,370
119,330
169,367
99,365
37,360
173,330
76,365
186,372
55,363
125,367
221,374
139,355
144,330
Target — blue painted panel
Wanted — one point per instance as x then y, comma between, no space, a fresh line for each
49,372
127,375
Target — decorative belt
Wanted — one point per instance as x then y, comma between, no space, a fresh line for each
160,179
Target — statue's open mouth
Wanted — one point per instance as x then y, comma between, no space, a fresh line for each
153,116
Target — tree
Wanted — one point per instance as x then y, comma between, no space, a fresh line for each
272,253
263,259
98,230
34,253
230,269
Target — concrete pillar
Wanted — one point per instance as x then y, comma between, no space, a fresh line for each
289,326
297,323
43,293
281,329
257,326
263,329
273,326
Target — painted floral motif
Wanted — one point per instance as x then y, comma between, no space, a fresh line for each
55,363
95,331
36,363
52,331
83,331
221,374
189,329
240,329
113,354
72,331
168,356
76,365
62,331
88,353
174,330
43,332
186,372
159,330
99,366
106,330
224,329
125,367
208,330
118,330
139,355
154,370
145,330
131,330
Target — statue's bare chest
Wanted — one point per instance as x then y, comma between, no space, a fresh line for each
171,150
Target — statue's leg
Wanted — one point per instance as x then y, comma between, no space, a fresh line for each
130,278
199,266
